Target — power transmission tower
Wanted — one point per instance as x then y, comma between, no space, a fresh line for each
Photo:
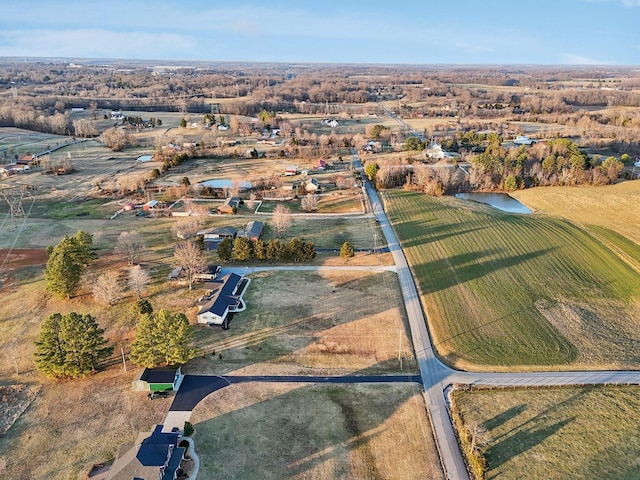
14,197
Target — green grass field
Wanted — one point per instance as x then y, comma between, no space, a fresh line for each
576,433
507,290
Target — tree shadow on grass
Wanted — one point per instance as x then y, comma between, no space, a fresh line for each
458,269
436,234
529,433
504,417
521,441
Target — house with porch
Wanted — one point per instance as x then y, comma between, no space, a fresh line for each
253,230
224,296
229,206
154,456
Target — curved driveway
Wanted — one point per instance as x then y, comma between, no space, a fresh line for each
195,388
436,376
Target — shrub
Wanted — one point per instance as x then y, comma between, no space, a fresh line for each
188,429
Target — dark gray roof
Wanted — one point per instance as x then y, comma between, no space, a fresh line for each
253,230
174,463
221,231
158,375
223,297
154,450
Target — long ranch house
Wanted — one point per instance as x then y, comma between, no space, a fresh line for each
224,297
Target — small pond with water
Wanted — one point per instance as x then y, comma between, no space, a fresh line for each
501,201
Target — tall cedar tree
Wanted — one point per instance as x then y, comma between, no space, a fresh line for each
162,339
65,264
70,346
347,251
225,249
242,249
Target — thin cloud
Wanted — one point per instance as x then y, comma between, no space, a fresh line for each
472,49
93,43
631,3
245,27
572,59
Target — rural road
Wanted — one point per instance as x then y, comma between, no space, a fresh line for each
436,376
309,268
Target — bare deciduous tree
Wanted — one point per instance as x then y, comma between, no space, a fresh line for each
479,435
138,279
93,106
117,139
17,359
201,212
186,227
281,219
84,128
107,288
192,260
309,202
130,245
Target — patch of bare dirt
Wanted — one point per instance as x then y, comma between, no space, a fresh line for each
22,257
14,399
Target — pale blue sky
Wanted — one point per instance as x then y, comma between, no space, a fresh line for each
344,31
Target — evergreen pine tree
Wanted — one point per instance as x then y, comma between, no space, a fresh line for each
162,339
347,251
70,346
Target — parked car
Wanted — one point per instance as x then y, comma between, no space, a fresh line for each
160,394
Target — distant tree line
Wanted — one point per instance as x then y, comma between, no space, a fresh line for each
553,162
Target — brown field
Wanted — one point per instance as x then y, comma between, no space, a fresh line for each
557,433
285,431
279,333
616,207
313,323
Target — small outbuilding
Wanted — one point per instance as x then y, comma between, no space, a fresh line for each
319,165
158,379
311,186
150,205
229,206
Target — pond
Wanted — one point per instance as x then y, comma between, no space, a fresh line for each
501,201
220,183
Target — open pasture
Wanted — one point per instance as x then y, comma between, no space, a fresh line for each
297,322
557,433
313,323
517,291
288,431
17,141
616,207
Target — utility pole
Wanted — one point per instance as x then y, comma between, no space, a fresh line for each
124,363
400,347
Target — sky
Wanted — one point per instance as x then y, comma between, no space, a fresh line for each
548,32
